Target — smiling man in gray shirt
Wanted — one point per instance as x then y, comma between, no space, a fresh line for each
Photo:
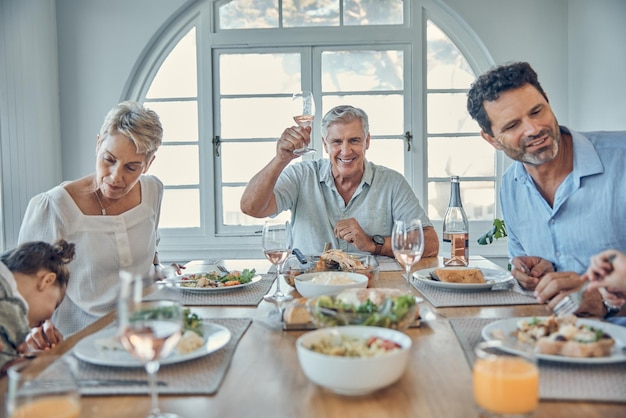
345,200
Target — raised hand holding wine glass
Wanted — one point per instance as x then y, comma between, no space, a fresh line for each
407,242
277,242
304,113
148,329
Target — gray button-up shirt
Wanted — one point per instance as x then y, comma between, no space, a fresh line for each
308,190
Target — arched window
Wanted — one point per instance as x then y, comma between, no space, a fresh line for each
222,75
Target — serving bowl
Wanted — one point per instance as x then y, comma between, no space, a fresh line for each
353,375
293,268
371,268
319,283
387,311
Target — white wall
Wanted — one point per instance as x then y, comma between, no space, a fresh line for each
30,140
597,65
99,44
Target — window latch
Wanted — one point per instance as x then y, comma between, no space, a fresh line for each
407,138
216,143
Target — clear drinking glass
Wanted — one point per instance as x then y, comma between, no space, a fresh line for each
407,242
304,113
277,242
149,329
43,387
505,385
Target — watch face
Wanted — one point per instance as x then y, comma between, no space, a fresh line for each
378,239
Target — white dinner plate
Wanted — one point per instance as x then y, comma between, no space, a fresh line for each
213,289
508,327
492,277
91,351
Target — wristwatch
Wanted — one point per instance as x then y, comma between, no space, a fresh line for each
610,310
379,240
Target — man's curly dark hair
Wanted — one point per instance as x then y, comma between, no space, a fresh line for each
494,82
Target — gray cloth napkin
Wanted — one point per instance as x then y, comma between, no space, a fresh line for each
442,298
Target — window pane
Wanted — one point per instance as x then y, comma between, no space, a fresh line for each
310,13
387,152
179,120
465,157
259,73
177,75
256,117
478,199
242,160
249,14
447,67
180,209
176,165
447,113
372,12
232,213
362,70
385,113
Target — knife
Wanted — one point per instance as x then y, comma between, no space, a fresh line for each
116,382
301,258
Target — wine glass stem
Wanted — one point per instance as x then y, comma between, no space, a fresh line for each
152,367
408,277
278,269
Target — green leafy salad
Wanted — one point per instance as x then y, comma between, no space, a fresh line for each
390,313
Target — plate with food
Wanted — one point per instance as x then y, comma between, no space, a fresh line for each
216,281
199,339
462,278
565,339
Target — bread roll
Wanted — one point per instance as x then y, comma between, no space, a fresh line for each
296,312
454,275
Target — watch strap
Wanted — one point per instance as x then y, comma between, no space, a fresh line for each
610,310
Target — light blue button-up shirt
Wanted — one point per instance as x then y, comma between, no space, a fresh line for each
308,189
589,211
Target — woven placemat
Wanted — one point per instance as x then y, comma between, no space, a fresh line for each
444,298
557,381
388,263
250,295
202,376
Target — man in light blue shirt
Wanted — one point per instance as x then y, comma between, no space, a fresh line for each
345,199
564,198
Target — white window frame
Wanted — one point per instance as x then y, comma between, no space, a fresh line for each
208,241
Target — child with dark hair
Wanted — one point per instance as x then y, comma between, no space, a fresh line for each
33,280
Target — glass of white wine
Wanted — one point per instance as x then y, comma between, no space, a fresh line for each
304,113
148,329
407,242
277,242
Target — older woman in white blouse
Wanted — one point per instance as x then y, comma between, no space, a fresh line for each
112,215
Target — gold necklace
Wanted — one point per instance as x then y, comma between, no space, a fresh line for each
104,210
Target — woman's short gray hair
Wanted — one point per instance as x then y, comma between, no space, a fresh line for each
137,123
345,114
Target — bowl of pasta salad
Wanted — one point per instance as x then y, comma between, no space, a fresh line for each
353,360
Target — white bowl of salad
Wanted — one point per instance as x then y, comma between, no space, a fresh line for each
319,283
353,360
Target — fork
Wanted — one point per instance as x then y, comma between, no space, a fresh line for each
570,304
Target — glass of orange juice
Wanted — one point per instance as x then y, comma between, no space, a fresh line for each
43,387
505,385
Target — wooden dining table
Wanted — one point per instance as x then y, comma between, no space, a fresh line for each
264,378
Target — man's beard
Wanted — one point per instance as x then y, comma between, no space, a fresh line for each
544,154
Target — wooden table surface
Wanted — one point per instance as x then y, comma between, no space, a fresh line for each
265,379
